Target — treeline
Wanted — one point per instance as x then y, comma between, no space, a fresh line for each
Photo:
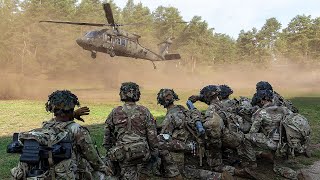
44,48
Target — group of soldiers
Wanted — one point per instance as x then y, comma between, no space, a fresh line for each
222,142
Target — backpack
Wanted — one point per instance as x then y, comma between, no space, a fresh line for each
131,147
297,133
43,148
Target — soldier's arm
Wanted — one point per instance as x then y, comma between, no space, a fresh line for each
151,131
168,125
256,122
88,150
209,112
109,127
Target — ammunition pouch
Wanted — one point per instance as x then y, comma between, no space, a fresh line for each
136,151
33,152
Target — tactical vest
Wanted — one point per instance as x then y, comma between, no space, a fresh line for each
44,151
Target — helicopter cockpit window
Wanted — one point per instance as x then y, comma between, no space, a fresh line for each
123,42
92,34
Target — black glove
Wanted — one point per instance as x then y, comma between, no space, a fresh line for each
81,112
194,98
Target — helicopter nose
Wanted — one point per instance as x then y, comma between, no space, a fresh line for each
80,42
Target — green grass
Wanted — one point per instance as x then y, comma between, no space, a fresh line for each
23,115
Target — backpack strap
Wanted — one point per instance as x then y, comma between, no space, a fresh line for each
129,114
50,160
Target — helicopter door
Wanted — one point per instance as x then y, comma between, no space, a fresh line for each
107,38
107,41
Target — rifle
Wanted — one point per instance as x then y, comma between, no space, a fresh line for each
200,130
199,126
199,143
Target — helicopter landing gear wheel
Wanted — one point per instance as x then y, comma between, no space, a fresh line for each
93,54
112,54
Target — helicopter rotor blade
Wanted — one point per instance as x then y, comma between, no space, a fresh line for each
108,13
76,23
132,24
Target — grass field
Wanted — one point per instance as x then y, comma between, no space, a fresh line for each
23,115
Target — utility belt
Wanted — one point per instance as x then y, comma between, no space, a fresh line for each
129,152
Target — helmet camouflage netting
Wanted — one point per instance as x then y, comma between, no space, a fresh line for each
129,91
163,93
226,91
262,95
62,100
209,92
263,85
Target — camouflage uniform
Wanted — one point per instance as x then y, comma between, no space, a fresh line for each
220,136
234,112
217,135
264,133
178,124
85,157
142,123
85,162
128,125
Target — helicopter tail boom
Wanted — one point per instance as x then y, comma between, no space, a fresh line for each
172,56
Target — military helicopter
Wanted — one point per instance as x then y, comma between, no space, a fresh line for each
117,42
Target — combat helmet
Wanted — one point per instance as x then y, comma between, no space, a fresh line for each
263,85
208,93
225,92
166,97
61,102
129,92
261,95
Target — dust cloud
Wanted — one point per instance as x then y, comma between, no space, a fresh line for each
101,79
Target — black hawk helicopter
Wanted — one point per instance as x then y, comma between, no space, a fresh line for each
117,42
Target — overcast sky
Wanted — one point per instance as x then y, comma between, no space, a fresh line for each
230,16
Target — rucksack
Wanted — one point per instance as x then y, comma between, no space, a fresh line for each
131,147
43,148
297,133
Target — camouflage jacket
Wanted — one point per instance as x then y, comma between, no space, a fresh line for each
213,120
267,119
176,120
174,123
141,122
84,147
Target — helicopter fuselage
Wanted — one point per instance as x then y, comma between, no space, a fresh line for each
116,43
